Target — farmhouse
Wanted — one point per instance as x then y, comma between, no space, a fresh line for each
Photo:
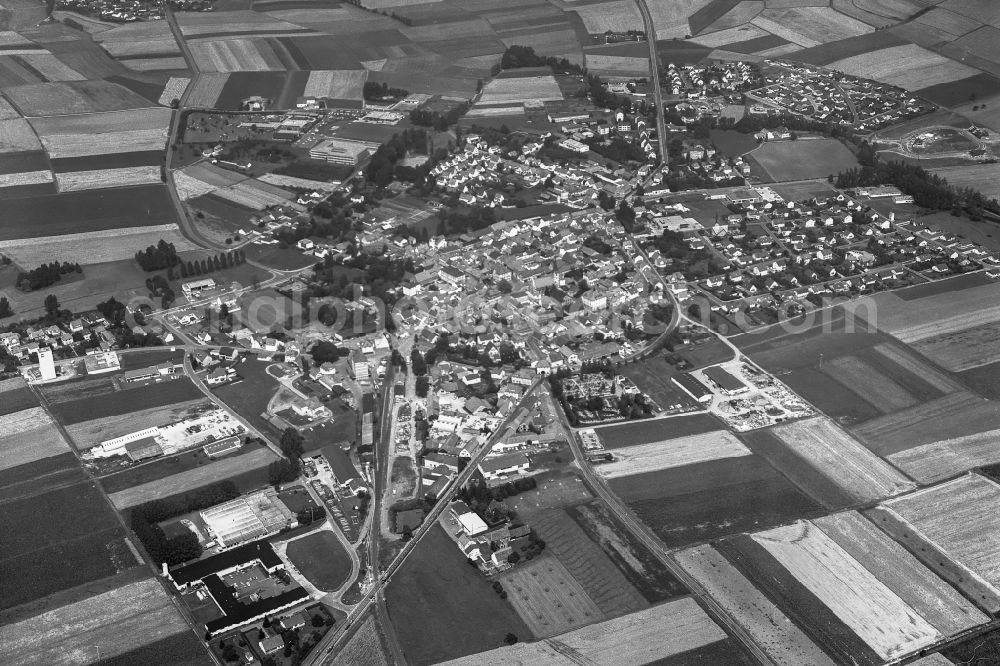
195,287
101,362
340,151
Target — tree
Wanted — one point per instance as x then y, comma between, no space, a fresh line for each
52,305
510,639
291,443
423,386
504,287
5,310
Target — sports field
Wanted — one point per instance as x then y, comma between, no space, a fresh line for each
802,159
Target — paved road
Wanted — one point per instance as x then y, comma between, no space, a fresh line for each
654,75
324,653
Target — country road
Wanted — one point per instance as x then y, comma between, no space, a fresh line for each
654,75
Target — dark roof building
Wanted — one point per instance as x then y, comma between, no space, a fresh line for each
693,386
725,380
260,551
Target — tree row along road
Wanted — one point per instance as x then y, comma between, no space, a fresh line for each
324,652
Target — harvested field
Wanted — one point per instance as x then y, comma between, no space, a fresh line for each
25,178
617,65
870,609
156,64
918,368
78,145
704,501
253,197
656,430
292,182
7,112
23,421
45,99
548,598
206,89
91,180
587,563
41,441
638,638
670,17
963,350
770,629
800,160
955,415
102,123
724,38
364,648
339,84
939,460
235,55
195,478
16,136
655,456
615,15
910,66
830,452
520,90
810,26
142,49
875,388
174,89
93,247
119,621
933,599
88,434
961,519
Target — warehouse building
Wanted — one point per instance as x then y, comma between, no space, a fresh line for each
340,151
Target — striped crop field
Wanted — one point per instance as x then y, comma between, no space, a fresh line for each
520,90
93,247
614,15
336,84
670,453
954,528
821,449
173,89
104,178
25,178
909,66
235,55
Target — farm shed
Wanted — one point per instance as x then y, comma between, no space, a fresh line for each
725,380
693,387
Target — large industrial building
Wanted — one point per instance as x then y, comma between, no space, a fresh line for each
340,151
247,518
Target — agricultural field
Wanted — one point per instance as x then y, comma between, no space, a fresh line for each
656,430
706,500
783,642
255,461
638,638
810,26
802,159
468,615
162,468
520,90
92,247
548,598
679,452
120,621
981,177
321,559
587,563
613,15
641,567
72,97
15,396
16,136
827,463
143,131
80,541
952,528
90,433
608,65
73,181
910,66
652,376
27,436
365,647
875,624
554,491
126,401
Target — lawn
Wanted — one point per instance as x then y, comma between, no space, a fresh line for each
250,396
321,559
125,401
442,608
802,159
652,376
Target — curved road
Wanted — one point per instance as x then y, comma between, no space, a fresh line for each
654,75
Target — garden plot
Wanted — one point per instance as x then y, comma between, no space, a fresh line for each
770,629
548,598
871,610
666,454
910,66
